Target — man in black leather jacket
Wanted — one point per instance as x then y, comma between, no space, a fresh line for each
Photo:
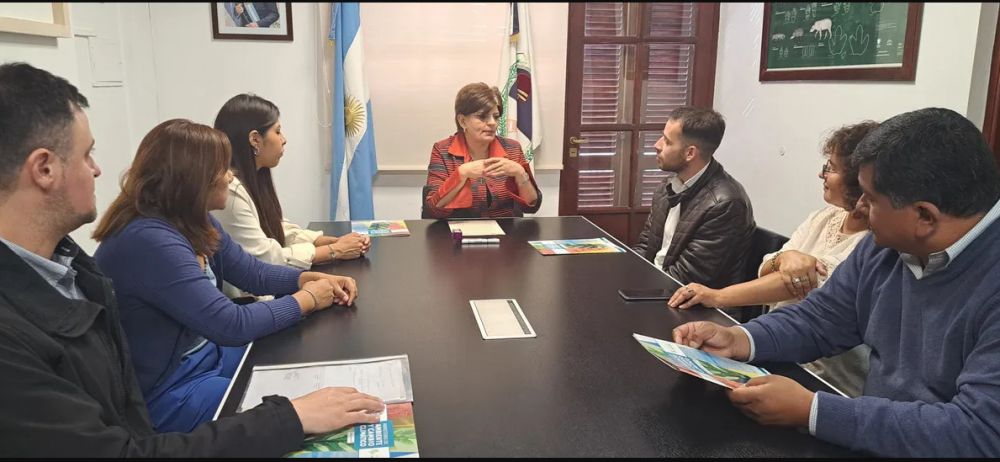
700,225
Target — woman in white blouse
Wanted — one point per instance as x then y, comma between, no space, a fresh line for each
253,214
809,257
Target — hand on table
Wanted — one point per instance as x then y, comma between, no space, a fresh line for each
331,408
693,294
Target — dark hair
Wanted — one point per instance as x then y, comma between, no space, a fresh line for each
934,155
36,111
241,115
701,127
173,172
842,144
475,98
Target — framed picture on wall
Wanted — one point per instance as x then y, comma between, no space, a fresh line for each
252,20
45,19
840,41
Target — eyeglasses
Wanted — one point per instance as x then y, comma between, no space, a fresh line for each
827,168
487,116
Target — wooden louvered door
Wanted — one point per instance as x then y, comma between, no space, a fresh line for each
628,65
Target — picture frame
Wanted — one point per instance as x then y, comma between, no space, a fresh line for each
35,19
239,21
875,41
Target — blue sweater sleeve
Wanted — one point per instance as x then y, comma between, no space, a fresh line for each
251,274
824,324
169,277
963,427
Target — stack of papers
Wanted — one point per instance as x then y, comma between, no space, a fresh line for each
476,228
575,246
706,366
386,377
375,228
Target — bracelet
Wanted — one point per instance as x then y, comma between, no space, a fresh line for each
527,178
333,253
774,259
315,300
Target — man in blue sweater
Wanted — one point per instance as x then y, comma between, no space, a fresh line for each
923,292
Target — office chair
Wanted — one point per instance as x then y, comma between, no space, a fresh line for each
762,242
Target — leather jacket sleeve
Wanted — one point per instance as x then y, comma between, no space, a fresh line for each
657,214
712,251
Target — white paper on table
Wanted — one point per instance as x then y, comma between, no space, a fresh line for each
501,318
386,377
477,228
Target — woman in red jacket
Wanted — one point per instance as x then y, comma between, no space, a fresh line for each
475,173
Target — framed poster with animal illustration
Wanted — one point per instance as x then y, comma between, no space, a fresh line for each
840,41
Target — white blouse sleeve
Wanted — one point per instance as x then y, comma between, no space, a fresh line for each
295,234
795,242
240,220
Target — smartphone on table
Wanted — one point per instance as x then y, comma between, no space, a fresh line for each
632,295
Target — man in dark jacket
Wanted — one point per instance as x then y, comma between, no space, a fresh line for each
700,226
67,387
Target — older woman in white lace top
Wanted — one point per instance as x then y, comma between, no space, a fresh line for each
810,256
816,247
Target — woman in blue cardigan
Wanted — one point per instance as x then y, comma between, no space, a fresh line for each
168,259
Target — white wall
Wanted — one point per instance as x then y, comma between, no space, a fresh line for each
188,74
57,56
775,129
109,114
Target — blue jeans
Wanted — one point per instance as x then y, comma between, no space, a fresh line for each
193,392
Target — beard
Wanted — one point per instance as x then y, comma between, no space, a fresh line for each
89,217
62,215
667,166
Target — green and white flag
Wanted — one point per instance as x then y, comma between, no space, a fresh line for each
520,119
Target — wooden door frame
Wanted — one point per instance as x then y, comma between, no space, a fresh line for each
574,54
703,70
991,121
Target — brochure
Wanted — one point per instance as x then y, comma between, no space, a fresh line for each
376,228
716,369
386,377
395,435
575,246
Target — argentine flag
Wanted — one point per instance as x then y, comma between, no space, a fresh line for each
520,119
353,165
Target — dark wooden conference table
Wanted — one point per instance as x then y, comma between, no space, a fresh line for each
582,387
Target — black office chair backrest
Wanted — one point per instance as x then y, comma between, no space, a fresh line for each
762,242
423,202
